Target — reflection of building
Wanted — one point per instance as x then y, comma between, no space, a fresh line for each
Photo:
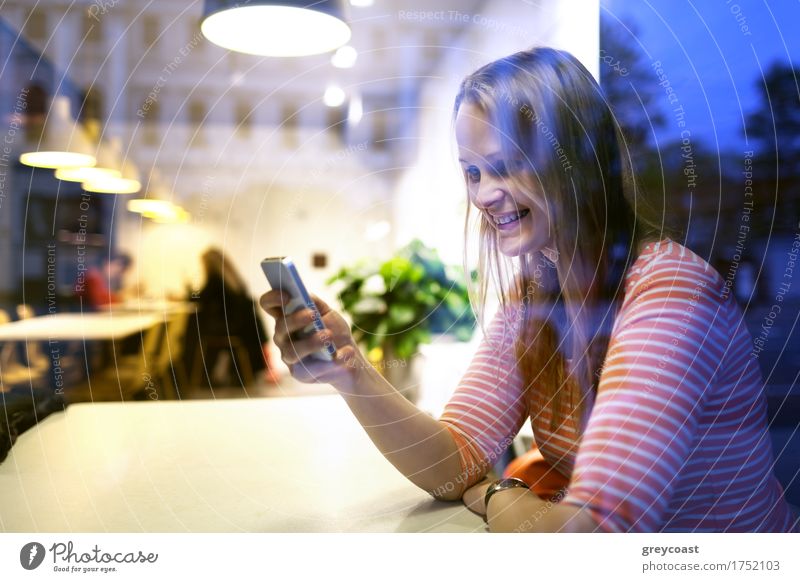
246,144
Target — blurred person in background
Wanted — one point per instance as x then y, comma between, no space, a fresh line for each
103,285
232,340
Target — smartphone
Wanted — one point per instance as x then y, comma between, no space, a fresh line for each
282,274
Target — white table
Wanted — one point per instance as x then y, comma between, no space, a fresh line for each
257,465
101,325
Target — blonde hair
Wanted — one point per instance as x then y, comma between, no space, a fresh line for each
562,140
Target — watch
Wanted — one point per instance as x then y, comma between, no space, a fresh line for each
500,485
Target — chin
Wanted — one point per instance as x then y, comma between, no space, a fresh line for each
516,246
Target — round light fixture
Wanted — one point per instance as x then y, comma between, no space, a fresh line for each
334,96
86,174
281,28
110,185
345,57
63,143
126,180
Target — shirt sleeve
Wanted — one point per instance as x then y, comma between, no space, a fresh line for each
665,351
489,405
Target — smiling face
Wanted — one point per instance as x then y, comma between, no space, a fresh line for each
519,220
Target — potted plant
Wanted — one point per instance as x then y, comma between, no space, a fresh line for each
401,303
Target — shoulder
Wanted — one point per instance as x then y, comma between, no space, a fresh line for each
669,282
669,269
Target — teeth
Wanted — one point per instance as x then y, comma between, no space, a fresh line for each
511,217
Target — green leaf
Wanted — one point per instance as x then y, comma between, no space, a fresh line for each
368,304
401,314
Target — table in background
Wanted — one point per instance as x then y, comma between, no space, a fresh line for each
257,465
89,326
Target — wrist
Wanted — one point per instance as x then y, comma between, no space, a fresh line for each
356,370
502,485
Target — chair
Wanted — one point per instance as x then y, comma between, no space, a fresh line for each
542,478
170,355
218,345
129,377
12,371
35,356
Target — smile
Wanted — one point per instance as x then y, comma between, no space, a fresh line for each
508,219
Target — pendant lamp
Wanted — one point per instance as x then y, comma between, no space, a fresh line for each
63,143
278,28
108,166
126,183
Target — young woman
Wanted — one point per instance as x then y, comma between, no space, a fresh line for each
617,342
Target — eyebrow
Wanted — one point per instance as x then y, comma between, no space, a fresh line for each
492,156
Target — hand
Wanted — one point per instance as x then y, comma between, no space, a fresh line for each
294,352
474,496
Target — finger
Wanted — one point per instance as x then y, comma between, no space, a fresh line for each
285,337
274,299
301,348
296,321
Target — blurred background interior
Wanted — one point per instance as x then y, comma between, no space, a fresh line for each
344,160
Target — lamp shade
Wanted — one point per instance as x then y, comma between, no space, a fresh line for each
159,210
127,182
279,28
85,174
108,166
63,142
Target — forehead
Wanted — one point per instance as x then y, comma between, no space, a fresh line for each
475,134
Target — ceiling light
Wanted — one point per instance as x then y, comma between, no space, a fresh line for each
334,96
108,165
62,143
161,211
86,174
109,185
355,110
146,205
345,57
361,3
128,181
278,28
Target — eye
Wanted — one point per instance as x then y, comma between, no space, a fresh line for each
504,168
472,174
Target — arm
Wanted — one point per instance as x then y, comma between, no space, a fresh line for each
660,361
521,510
488,408
443,457
416,444
478,424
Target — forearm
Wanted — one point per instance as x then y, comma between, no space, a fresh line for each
416,444
521,510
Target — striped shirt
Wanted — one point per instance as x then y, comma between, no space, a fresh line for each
676,439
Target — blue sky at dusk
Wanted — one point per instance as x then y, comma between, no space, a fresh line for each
711,60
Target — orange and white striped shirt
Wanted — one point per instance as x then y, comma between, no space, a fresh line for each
676,439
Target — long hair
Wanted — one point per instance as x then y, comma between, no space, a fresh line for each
217,265
569,158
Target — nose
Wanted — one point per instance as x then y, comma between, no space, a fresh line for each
489,195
